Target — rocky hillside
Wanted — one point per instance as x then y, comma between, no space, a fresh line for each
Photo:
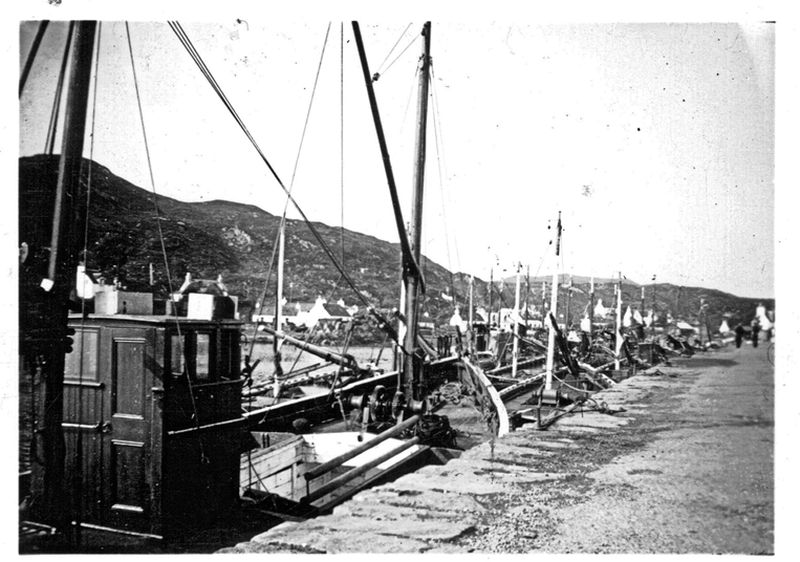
236,240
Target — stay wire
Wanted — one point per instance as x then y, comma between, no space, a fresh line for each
396,43
157,211
186,42
282,225
414,40
438,138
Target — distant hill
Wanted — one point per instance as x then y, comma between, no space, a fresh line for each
236,240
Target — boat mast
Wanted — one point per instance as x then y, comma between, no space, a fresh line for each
618,335
551,334
491,290
471,319
411,368
568,316
48,484
591,307
515,343
276,340
527,292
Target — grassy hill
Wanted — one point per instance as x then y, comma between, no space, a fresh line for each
236,240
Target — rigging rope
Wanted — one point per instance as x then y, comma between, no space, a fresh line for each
376,75
439,138
181,347
282,225
380,67
186,42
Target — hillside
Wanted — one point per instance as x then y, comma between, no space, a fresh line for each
236,240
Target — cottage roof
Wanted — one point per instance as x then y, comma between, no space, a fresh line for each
336,310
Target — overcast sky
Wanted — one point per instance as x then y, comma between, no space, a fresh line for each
655,141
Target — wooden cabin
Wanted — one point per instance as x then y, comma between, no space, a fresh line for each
146,399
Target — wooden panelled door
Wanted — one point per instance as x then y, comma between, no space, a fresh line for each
128,446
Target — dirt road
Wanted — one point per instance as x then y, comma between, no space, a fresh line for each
702,482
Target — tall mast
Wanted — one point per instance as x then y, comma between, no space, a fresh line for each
544,304
527,292
551,334
591,307
618,335
515,343
276,340
491,290
48,484
471,319
410,369
568,315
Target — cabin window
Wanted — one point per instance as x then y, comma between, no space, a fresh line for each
81,362
229,353
202,356
177,356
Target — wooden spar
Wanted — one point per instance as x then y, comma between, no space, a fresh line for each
32,54
515,346
568,315
491,290
544,302
653,318
48,484
471,318
410,265
342,479
401,331
410,385
618,334
344,359
355,451
551,335
276,340
527,292
641,306
591,308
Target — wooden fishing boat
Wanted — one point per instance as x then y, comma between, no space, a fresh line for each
143,431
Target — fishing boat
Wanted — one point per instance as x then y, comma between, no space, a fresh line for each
139,428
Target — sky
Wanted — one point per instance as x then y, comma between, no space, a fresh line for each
654,141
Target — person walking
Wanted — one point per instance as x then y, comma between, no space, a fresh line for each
739,335
755,328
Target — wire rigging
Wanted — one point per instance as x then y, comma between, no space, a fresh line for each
282,225
414,40
157,212
380,67
438,138
186,42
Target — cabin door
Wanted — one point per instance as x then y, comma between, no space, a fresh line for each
129,464
85,411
